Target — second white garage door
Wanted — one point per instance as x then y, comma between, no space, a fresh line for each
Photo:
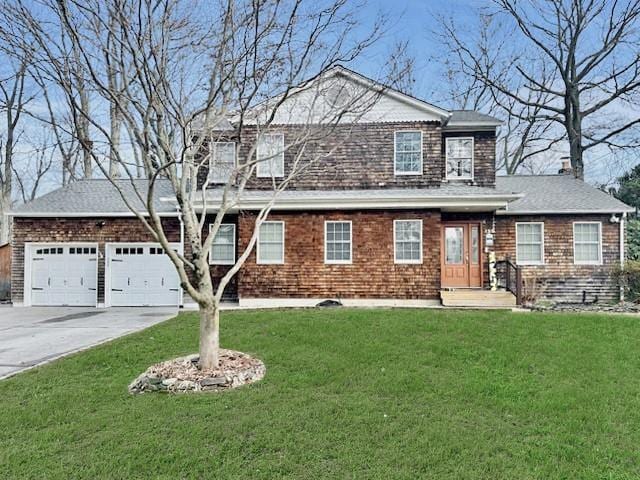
141,275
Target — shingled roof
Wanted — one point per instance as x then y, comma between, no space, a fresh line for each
540,194
95,197
557,194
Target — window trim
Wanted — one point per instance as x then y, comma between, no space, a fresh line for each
211,158
542,262
338,262
473,158
395,242
261,261
395,153
590,262
259,162
211,260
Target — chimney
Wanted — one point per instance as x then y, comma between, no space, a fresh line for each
566,167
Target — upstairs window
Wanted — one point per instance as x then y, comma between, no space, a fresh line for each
408,241
271,242
587,245
459,158
223,248
408,153
222,161
530,243
337,242
270,152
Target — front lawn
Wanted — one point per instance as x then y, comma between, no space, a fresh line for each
362,394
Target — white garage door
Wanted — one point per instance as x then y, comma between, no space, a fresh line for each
63,275
141,275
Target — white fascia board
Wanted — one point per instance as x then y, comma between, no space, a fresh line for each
489,204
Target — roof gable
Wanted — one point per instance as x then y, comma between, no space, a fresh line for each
368,101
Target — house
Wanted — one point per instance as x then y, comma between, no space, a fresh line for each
405,207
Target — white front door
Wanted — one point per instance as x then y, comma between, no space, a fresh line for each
63,275
141,275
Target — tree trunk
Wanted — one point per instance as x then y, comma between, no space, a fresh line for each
209,336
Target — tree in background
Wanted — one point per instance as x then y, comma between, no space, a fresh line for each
568,67
628,191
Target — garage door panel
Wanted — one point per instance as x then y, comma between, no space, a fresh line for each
59,276
141,276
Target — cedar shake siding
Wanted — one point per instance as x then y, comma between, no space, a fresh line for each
372,273
60,230
484,156
361,156
564,280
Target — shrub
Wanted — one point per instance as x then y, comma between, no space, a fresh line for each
628,277
533,288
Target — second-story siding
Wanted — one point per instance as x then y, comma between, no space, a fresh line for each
361,156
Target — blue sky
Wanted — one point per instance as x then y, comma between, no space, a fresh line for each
413,20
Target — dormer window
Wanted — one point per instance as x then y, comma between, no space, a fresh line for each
270,153
408,153
222,161
459,158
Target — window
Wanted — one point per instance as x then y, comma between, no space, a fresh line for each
271,242
459,158
130,251
223,248
82,251
337,242
530,243
270,155
408,153
222,161
408,241
587,246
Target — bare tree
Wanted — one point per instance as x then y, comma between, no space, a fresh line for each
570,63
37,162
13,99
191,73
524,138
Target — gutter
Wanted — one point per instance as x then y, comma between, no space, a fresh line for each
485,202
622,252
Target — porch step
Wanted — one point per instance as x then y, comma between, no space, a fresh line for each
478,298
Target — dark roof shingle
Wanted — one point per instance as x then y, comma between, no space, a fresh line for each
557,194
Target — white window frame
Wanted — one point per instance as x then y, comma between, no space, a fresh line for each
211,260
518,262
212,147
262,167
473,158
259,259
589,262
395,152
395,242
338,262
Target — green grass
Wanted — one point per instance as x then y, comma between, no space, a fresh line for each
375,394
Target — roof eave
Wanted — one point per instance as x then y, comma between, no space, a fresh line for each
603,211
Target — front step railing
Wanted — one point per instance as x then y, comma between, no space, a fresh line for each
511,278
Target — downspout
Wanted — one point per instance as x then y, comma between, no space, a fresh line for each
622,223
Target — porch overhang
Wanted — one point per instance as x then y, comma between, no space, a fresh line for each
300,200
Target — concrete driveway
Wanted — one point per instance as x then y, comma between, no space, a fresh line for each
32,336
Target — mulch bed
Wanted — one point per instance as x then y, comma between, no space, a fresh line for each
182,375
